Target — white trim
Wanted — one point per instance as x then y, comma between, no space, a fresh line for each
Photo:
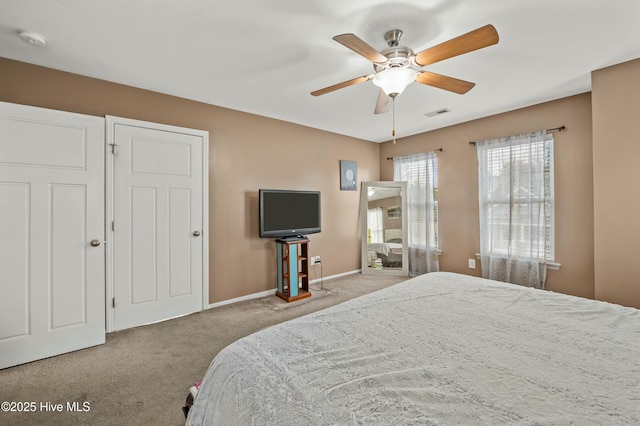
109,193
110,123
343,274
272,292
242,298
205,218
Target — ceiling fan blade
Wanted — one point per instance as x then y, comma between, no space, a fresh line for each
342,85
443,82
361,47
473,40
383,104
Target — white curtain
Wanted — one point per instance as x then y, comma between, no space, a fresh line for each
515,194
420,171
374,221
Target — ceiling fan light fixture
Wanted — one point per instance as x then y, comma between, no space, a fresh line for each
393,81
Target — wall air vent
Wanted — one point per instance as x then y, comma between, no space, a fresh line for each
438,112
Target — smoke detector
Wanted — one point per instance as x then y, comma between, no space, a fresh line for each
32,38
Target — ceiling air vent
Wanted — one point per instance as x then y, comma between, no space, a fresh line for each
438,112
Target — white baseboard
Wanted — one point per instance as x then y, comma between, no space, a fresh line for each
344,274
242,298
272,292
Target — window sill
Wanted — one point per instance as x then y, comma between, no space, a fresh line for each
550,265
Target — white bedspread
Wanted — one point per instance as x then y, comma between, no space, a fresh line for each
440,349
386,248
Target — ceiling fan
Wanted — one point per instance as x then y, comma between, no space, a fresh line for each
398,66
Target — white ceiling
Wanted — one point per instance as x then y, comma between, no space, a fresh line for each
265,57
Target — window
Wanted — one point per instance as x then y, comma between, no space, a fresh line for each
517,197
375,225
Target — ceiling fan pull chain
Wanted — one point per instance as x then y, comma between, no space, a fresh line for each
393,130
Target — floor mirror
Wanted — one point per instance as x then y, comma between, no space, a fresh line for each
383,209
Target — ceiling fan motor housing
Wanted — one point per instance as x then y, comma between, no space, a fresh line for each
397,57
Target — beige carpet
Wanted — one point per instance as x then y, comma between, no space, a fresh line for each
141,376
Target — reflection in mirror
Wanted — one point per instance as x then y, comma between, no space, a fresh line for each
384,248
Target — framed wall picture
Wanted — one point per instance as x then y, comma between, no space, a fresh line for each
394,212
348,175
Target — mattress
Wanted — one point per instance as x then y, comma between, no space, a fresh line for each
439,349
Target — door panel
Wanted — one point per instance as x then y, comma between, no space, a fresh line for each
66,146
158,204
68,239
169,158
143,249
52,281
14,259
180,235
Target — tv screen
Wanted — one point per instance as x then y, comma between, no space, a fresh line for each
287,213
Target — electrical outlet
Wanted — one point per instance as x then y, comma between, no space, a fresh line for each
472,264
315,260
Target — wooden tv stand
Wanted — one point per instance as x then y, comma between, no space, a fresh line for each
293,269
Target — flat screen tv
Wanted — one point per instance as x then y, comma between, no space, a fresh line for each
289,213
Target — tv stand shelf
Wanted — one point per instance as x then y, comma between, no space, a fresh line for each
293,269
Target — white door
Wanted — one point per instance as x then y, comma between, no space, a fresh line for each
158,235
52,279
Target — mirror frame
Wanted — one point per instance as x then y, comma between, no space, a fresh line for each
364,207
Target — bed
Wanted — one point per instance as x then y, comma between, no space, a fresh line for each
389,252
438,349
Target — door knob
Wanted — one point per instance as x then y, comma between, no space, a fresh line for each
95,243
196,233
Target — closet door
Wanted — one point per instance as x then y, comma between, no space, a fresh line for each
52,257
159,234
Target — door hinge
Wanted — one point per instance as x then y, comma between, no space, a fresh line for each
113,225
113,302
114,148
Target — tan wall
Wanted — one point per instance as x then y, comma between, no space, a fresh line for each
458,186
616,178
247,152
